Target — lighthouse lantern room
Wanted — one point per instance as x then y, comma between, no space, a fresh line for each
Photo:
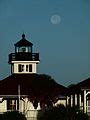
23,60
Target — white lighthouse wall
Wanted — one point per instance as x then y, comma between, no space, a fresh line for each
15,66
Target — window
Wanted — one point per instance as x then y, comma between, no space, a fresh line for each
30,68
22,49
27,68
29,49
20,68
12,105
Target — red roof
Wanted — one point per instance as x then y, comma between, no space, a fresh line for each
23,42
85,84
33,85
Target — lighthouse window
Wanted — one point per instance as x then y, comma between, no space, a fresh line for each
27,68
30,68
20,68
23,49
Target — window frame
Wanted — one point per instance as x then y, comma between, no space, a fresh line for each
12,104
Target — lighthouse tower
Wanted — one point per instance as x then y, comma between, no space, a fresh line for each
23,61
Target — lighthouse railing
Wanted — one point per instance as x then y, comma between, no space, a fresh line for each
24,56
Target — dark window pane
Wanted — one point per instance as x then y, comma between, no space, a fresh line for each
20,68
30,68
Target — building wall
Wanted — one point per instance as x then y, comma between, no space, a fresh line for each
26,106
32,114
3,106
63,102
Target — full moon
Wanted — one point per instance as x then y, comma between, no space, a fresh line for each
55,19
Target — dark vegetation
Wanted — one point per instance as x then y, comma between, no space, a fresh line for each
63,113
12,116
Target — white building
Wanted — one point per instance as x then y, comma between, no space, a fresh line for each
79,95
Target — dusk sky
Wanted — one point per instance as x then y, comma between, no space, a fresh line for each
63,41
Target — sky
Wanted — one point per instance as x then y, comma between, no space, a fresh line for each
63,44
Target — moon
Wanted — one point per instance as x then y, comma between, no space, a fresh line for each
55,19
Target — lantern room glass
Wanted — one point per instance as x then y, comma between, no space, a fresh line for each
23,49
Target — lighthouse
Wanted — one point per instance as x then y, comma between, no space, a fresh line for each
25,90
23,61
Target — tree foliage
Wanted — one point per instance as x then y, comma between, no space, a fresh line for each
12,116
63,113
